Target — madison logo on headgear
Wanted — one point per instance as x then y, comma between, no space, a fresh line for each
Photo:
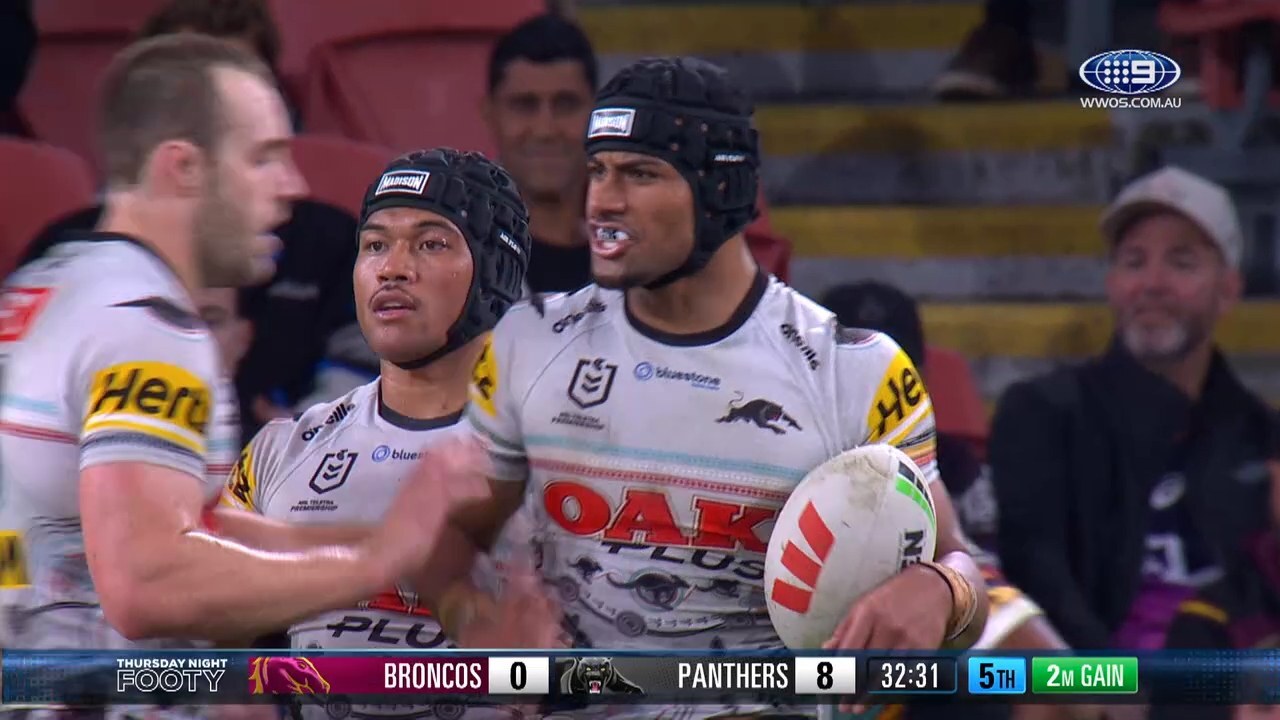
611,122
404,181
1130,73
282,675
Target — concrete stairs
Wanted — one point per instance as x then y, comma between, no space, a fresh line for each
986,212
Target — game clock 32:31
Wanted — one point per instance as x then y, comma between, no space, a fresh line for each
911,675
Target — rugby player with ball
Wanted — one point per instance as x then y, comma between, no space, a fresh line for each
656,422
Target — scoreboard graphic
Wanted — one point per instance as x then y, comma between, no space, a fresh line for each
575,679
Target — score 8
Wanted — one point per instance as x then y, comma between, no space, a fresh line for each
826,675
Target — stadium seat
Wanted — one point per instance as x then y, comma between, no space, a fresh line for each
399,73
338,170
40,184
77,39
957,404
772,251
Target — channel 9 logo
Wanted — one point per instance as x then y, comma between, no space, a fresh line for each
1130,72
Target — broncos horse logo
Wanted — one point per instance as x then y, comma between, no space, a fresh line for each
279,675
762,413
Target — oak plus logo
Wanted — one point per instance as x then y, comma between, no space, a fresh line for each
801,564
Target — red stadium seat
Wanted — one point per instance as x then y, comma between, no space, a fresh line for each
77,39
1218,26
40,184
338,170
400,73
957,404
761,223
772,251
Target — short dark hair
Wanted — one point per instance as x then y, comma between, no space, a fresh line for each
162,89
221,18
543,39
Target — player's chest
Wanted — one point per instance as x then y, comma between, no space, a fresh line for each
702,405
342,482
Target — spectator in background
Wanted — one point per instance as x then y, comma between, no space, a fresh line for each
306,308
997,59
1014,621
563,8
542,80
1239,612
247,24
220,310
17,47
1128,483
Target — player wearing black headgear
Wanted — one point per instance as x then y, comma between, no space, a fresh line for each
443,246
467,236
658,420
674,162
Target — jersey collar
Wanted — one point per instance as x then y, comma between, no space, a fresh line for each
404,422
708,337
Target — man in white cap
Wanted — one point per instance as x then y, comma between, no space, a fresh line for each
1128,482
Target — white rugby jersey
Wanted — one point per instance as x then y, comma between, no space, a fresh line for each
105,360
342,462
656,465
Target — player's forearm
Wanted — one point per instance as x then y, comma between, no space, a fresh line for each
262,533
208,587
472,530
448,569
963,563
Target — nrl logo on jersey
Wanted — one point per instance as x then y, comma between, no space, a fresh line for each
333,471
592,381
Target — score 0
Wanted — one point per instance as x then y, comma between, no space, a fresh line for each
519,675
826,675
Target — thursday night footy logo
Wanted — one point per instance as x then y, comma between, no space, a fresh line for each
279,675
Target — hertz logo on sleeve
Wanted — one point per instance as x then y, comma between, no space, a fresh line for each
900,401
157,399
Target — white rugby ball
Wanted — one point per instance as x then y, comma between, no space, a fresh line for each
852,523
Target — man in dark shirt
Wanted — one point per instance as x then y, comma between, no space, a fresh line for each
542,79
1128,483
17,45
